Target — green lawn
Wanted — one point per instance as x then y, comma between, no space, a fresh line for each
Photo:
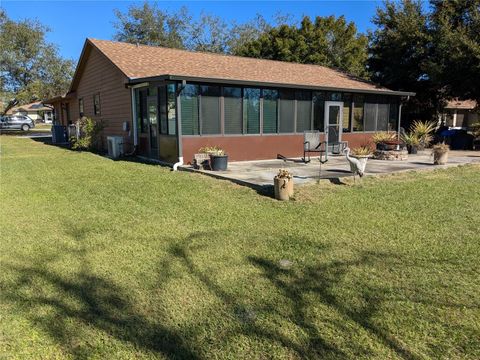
122,260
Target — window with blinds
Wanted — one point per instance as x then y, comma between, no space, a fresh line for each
251,110
347,105
141,109
370,116
210,109
383,114
287,111
304,110
393,117
318,111
171,109
270,111
358,109
232,115
189,106
162,104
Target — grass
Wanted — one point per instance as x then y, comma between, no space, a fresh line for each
122,260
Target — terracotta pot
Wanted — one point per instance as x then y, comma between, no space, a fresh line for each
440,157
283,188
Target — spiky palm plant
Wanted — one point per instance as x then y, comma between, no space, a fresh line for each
423,131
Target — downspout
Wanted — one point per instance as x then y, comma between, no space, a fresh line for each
179,129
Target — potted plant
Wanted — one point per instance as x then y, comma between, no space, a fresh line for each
440,154
218,158
362,153
283,185
476,136
382,138
412,142
423,131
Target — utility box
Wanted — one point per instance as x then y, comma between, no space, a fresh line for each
58,134
115,146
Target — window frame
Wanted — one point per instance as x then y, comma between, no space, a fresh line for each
81,107
97,106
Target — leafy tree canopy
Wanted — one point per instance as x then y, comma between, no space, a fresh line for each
148,24
325,41
456,36
30,67
435,53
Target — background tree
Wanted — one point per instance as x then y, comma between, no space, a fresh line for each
147,24
456,36
327,41
401,54
30,67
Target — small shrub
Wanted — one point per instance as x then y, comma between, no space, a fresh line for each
383,136
476,130
423,130
90,131
212,150
411,139
284,174
361,151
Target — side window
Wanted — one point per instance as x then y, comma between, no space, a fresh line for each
96,104
80,107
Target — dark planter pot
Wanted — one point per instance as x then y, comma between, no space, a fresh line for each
412,149
218,162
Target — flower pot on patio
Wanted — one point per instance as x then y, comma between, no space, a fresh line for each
283,188
412,149
283,185
219,162
440,154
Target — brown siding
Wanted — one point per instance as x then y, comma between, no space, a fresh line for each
260,147
100,76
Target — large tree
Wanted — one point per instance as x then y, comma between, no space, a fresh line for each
325,41
148,24
30,67
456,35
400,51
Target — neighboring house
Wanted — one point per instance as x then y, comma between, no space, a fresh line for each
168,103
37,111
460,114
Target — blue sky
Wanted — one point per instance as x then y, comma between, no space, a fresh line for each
73,21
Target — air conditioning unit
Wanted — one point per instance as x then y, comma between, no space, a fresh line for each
115,146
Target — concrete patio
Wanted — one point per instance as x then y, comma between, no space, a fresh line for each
260,173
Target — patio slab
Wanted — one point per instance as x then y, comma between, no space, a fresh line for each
260,173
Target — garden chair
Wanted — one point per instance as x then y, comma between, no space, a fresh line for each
312,143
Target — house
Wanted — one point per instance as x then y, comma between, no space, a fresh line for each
168,103
460,114
37,111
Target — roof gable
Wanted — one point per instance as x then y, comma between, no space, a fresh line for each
88,47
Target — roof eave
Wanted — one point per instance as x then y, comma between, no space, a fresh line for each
133,81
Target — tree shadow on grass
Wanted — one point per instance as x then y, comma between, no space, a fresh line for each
89,299
98,303
295,286
322,280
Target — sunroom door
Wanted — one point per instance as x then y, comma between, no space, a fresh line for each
333,124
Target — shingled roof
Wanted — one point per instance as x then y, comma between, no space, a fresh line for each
461,104
139,62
